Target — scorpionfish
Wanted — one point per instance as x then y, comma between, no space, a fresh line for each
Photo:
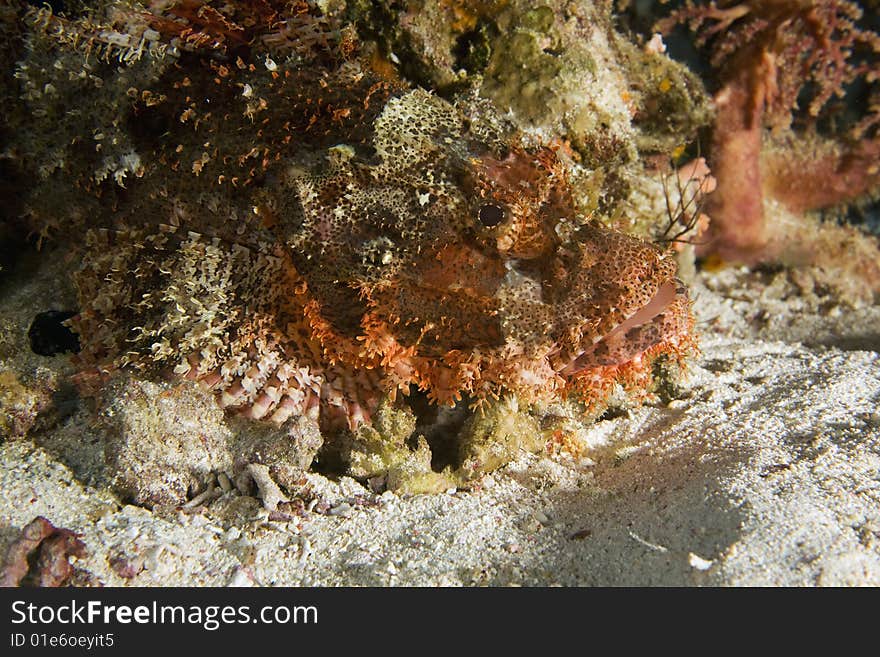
440,254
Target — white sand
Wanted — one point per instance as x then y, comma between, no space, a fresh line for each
764,471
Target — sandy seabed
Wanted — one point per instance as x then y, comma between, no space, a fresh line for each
764,469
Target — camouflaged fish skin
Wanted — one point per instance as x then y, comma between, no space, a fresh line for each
266,209
440,254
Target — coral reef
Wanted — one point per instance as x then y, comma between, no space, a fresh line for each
784,133
268,208
559,72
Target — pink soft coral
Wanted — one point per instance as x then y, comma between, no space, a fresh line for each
770,54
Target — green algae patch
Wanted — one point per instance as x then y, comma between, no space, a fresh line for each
388,449
495,435
378,448
523,69
671,103
489,438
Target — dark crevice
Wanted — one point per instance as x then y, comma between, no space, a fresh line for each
441,427
48,335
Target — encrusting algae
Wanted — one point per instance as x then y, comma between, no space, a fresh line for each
263,206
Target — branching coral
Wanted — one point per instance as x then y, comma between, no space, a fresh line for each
778,60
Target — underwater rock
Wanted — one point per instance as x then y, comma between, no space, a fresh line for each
162,443
23,397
